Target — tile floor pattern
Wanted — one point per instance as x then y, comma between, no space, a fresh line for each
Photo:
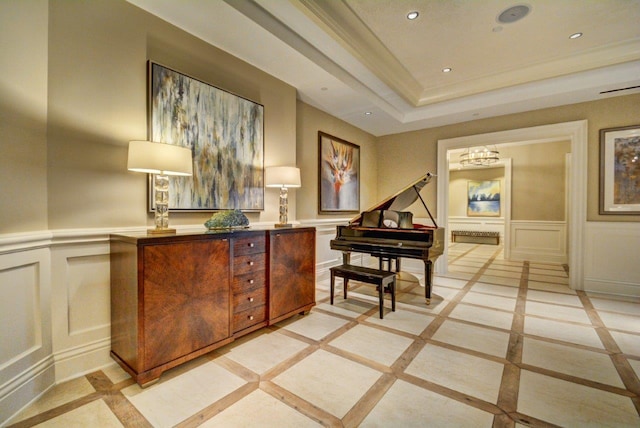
503,344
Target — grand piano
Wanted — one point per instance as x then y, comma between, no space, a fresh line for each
387,232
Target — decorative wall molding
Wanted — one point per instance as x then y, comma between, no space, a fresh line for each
539,241
79,360
26,366
26,387
612,258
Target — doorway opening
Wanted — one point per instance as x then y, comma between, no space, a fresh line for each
573,132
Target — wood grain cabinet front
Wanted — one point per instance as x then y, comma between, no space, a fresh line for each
170,302
176,297
292,275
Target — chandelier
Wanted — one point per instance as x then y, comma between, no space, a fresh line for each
479,156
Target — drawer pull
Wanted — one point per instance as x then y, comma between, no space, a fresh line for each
250,317
251,245
250,263
251,281
251,299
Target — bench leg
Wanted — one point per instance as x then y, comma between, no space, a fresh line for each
393,294
381,298
333,278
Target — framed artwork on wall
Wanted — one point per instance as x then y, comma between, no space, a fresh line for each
483,198
620,170
338,175
225,133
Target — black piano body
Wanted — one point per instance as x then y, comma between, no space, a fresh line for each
387,232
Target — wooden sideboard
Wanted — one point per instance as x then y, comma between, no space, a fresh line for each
176,297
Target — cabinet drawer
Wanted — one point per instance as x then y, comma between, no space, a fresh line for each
250,245
248,281
250,299
248,263
249,317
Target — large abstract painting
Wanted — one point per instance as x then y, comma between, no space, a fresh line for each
483,198
620,170
225,133
339,175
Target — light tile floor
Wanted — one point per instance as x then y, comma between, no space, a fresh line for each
503,344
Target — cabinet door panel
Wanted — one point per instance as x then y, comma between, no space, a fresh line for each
292,271
186,298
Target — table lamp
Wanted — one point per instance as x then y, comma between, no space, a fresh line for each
162,160
283,177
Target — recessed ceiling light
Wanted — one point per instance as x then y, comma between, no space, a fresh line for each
412,15
575,35
367,113
447,70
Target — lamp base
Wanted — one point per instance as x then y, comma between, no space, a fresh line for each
283,225
161,231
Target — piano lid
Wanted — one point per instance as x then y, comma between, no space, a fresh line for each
402,199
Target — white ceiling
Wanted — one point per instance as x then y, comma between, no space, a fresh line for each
348,57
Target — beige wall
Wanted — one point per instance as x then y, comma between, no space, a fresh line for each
458,188
76,156
23,115
97,100
311,120
412,153
538,188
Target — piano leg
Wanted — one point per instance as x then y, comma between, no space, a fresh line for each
428,278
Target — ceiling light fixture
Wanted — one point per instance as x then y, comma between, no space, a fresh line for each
447,70
367,113
479,156
575,35
412,15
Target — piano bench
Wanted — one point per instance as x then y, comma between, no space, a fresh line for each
381,278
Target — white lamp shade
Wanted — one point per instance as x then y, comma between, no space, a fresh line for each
282,176
159,158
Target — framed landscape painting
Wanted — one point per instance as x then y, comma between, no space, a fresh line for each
483,198
339,175
225,133
620,170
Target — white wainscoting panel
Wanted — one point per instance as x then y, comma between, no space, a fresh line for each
476,224
612,258
22,320
539,241
26,363
326,230
81,305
